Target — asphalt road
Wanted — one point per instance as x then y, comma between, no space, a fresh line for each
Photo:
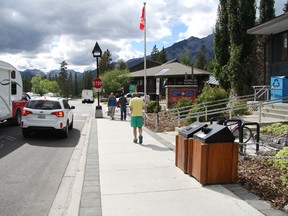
31,169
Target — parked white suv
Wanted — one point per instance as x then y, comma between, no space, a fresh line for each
47,113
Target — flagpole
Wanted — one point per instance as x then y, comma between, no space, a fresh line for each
145,82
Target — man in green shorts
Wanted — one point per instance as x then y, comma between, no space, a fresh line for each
136,106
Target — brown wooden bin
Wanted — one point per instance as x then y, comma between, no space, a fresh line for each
182,140
213,162
181,153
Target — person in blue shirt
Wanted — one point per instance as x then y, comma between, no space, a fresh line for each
111,105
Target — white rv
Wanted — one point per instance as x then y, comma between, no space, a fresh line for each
12,99
87,96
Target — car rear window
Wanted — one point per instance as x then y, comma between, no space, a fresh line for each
43,104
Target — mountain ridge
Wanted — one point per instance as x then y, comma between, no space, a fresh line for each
193,44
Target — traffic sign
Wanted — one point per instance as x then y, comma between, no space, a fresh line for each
97,83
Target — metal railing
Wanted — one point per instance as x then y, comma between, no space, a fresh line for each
223,107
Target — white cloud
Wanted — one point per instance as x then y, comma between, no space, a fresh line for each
42,33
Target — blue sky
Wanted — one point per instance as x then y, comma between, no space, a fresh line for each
39,34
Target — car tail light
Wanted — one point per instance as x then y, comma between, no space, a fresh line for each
61,125
59,114
26,112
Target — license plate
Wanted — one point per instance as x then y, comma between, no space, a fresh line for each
41,116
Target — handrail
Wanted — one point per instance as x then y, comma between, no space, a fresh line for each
227,106
260,90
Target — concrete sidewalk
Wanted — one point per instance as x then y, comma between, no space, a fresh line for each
127,179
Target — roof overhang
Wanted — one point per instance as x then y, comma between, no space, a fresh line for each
274,26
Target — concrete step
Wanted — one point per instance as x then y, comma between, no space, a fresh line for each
281,106
275,115
276,111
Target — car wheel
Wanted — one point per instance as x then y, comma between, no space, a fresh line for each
25,133
64,133
17,119
71,125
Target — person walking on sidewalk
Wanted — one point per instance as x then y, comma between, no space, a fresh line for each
136,106
111,105
122,103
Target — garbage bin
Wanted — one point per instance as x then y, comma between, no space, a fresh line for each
279,89
215,156
182,140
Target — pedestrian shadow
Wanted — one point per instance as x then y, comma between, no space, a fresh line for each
155,147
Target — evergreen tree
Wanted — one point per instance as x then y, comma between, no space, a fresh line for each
105,63
201,58
237,73
162,58
63,79
76,86
266,10
221,46
185,58
87,80
70,84
233,7
121,65
154,54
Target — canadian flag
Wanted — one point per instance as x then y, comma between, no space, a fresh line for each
142,19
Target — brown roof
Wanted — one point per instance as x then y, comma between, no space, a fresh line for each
169,69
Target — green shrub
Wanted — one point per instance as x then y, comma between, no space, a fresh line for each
242,111
209,94
152,107
184,102
282,164
183,105
275,129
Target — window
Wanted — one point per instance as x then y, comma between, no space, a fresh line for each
13,84
13,74
43,104
66,105
280,51
13,88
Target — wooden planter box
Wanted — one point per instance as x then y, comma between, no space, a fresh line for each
213,163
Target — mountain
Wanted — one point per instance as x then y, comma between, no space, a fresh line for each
193,44
32,72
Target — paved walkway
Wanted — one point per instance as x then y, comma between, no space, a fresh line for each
126,179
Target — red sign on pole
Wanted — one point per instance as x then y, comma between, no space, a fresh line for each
97,83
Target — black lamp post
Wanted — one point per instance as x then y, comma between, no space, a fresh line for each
97,52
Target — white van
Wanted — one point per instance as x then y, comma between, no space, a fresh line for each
87,96
12,98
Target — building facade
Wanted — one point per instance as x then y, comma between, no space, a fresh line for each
275,50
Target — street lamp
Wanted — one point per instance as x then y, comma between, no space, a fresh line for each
97,52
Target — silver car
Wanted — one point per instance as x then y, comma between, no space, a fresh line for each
47,113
